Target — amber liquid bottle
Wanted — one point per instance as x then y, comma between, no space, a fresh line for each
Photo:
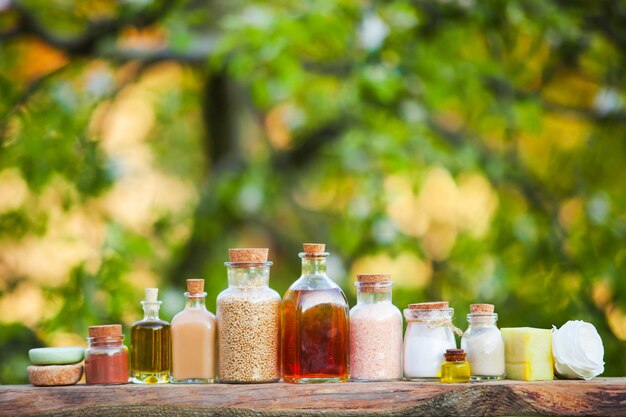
315,332
150,344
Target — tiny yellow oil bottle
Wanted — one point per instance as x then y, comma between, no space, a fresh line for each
150,344
455,369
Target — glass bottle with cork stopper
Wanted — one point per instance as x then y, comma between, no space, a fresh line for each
248,318
375,331
106,357
429,333
484,344
315,329
150,344
193,339
455,369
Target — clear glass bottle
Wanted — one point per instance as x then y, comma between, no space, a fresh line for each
315,324
375,331
106,357
248,320
150,344
429,334
484,344
455,369
193,339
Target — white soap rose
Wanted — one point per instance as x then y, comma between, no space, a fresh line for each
577,349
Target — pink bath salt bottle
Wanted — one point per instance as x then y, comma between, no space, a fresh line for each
375,331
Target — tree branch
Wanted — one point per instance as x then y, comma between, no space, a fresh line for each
502,88
310,145
221,147
87,42
24,97
197,56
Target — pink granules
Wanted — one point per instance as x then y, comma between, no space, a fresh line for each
375,342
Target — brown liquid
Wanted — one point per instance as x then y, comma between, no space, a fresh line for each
315,335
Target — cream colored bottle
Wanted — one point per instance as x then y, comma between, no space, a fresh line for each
193,339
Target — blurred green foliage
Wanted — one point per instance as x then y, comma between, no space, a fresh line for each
474,149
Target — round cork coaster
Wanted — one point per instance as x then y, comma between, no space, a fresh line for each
55,375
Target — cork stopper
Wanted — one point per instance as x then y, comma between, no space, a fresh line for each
195,285
314,250
109,330
373,282
481,308
454,355
433,305
373,278
152,295
248,255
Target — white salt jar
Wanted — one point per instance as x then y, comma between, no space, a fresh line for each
484,344
429,334
375,331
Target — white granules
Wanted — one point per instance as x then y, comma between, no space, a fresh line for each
484,346
424,346
375,342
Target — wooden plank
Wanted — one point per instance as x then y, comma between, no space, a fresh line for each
602,396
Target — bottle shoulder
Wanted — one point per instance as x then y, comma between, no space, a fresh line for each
314,282
184,315
417,330
482,333
376,311
252,295
154,324
305,299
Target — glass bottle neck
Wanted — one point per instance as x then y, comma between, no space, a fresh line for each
195,301
105,341
371,297
482,320
424,316
248,276
314,266
151,310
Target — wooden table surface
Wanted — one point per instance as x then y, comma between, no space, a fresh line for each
601,396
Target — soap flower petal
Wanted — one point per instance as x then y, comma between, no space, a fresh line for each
578,351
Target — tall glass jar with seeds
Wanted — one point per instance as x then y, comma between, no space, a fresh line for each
248,321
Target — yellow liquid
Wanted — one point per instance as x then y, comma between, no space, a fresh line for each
150,352
455,372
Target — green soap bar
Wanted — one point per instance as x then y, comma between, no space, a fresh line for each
56,355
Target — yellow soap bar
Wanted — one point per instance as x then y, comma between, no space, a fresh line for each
528,353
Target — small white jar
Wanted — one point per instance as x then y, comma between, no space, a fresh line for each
484,344
429,334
